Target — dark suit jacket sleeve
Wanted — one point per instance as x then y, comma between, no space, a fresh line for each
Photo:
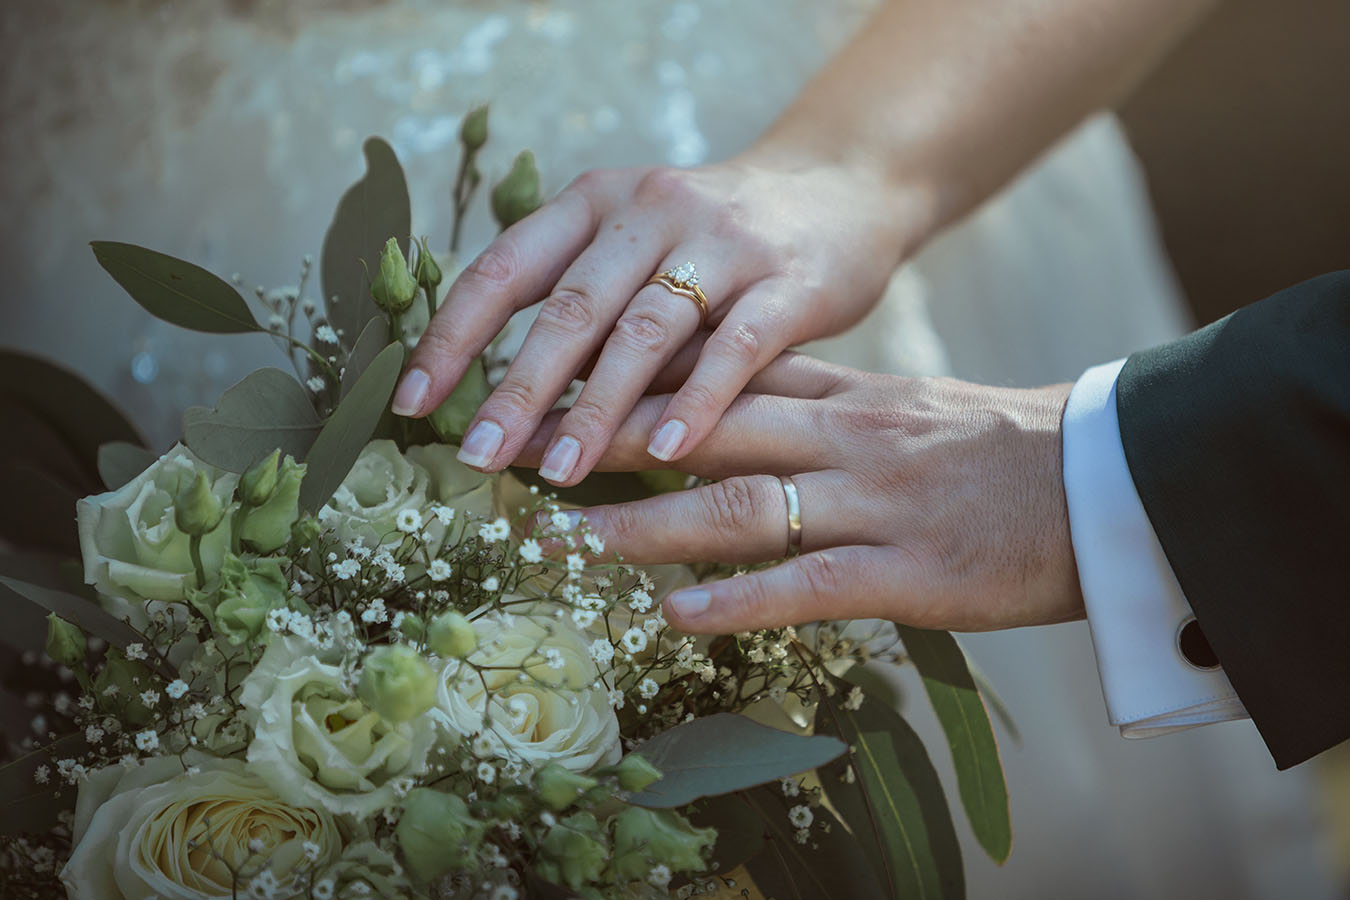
1238,441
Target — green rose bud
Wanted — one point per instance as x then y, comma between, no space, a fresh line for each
645,837
267,526
257,484
559,788
474,132
635,773
436,833
451,419
237,609
517,195
573,851
394,287
397,683
197,511
65,642
413,627
450,634
428,273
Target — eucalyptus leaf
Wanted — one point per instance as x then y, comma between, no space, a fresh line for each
264,411
722,753
176,290
830,866
372,211
894,802
956,700
374,338
27,807
349,428
120,462
90,617
39,509
740,834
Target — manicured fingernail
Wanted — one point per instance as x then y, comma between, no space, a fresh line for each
667,440
411,393
560,459
690,604
481,444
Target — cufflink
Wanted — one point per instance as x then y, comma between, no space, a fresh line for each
1194,646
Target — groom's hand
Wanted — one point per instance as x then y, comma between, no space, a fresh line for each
928,501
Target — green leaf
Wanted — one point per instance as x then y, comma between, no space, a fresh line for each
722,753
266,410
895,804
119,462
956,700
740,834
832,866
39,508
349,428
175,290
91,617
374,338
372,211
25,805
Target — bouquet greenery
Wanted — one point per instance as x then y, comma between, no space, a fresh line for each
307,653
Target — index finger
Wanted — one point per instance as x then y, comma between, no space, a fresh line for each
516,270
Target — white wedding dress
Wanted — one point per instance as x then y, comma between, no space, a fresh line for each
226,137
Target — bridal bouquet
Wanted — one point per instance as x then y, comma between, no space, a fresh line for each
305,653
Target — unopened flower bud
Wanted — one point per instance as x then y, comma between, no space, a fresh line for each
196,510
573,852
65,642
450,634
394,287
559,787
257,484
635,773
397,683
517,195
412,626
647,837
436,833
428,273
473,133
451,419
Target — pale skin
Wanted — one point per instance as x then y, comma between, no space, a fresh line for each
932,107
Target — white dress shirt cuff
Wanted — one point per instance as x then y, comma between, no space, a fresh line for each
1135,607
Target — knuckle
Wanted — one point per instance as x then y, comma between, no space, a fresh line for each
436,344
588,182
822,573
661,185
644,330
569,310
586,418
514,398
756,606
744,343
700,398
496,266
730,506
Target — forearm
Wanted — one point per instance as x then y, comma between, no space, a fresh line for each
946,100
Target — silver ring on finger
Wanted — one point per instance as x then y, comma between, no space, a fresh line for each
794,515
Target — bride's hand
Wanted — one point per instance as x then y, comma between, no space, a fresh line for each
785,251
928,501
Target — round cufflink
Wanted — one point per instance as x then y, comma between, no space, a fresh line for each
1194,646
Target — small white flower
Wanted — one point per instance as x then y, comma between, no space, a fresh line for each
530,551
648,688
147,740
93,734
498,530
315,383
563,522
652,626
439,570
659,876
634,640
42,774
553,658
486,773
602,651
444,514
596,543
375,612
491,584
408,521
325,334
801,816
790,787
346,570
616,698
854,701
640,601
575,563
585,618
135,651
311,850
149,698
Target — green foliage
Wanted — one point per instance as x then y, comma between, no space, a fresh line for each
27,807
176,291
87,615
265,411
956,700
120,461
373,339
372,209
722,753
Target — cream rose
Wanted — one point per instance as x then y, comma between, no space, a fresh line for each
132,829
132,549
316,743
384,482
558,713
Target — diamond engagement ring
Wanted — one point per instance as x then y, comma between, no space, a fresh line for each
683,280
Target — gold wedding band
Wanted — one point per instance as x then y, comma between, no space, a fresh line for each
794,515
683,280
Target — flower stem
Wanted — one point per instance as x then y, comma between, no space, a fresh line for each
195,551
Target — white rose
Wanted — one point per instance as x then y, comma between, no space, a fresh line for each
316,743
384,482
557,715
132,549
132,829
